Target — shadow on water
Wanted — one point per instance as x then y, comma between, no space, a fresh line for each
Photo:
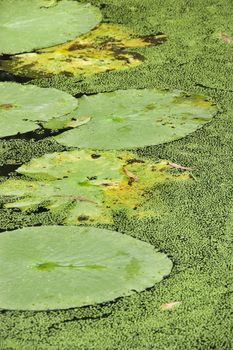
7,169
5,76
36,135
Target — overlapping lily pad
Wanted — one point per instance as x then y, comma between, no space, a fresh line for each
24,107
59,267
27,25
126,119
101,50
87,186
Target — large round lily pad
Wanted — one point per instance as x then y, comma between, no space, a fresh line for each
133,118
27,25
24,107
59,267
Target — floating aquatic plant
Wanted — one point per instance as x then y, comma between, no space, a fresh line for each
88,186
24,107
59,267
121,119
29,25
103,49
133,118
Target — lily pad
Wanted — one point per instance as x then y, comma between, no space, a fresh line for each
27,25
24,107
103,49
60,267
133,118
88,187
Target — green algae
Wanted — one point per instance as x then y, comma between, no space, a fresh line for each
196,229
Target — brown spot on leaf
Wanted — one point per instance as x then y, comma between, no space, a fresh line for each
110,184
80,199
76,46
155,39
138,56
134,160
122,58
92,178
83,218
95,156
7,106
67,74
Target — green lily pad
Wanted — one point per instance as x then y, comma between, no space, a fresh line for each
86,186
27,25
132,118
24,107
102,49
60,267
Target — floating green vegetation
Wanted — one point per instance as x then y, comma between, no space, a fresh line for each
24,107
59,267
88,186
101,50
126,119
27,25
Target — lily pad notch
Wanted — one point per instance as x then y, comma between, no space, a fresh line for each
61,267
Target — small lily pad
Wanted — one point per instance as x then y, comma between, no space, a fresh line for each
27,25
24,107
87,187
103,49
127,119
61,267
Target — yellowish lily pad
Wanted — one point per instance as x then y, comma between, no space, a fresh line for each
88,186
102,49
